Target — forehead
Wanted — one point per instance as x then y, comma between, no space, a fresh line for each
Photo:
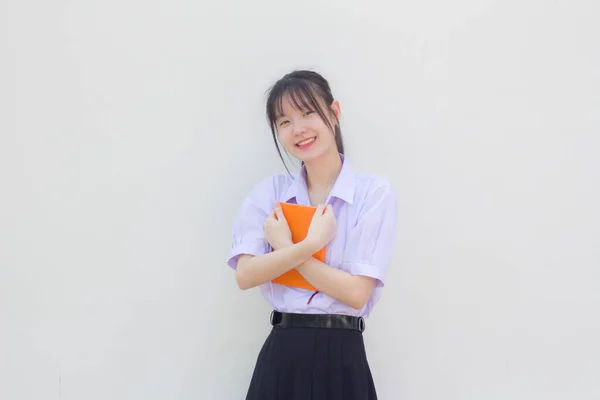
286,106
296,101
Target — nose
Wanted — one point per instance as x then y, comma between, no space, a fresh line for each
299,128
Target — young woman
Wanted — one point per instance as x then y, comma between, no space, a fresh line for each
315,349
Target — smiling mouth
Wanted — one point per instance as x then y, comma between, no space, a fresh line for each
306,141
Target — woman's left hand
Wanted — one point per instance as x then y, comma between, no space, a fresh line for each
277,230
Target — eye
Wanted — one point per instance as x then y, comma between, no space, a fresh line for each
282,123
307,113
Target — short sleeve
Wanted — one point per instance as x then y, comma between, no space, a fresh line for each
248,227
370,243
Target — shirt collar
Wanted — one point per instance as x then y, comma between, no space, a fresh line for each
343,188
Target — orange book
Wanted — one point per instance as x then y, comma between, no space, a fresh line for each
298,218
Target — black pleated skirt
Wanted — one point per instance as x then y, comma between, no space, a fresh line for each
312,364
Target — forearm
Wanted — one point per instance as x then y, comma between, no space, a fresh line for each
352,290
254,271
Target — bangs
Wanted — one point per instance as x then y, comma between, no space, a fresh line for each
302,95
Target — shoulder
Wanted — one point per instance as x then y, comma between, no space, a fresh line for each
373,187
267,190
375,199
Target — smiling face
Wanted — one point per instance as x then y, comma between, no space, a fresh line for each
301,128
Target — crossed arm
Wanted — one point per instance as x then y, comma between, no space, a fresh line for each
352,290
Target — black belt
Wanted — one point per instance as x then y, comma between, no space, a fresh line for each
317,321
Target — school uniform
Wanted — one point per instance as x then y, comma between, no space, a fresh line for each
315,349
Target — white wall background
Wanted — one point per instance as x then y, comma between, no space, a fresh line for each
130,132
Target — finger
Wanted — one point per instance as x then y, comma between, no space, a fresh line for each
279,213
329,208
274,212
320,209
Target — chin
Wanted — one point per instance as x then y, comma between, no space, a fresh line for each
308,157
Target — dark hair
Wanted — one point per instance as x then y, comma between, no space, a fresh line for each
304,88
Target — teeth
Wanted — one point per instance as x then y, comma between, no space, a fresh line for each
306,141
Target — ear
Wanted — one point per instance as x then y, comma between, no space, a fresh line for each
335,107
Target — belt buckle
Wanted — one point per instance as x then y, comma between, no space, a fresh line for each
361,324
275,313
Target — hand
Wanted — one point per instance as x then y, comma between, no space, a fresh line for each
277,230
322,227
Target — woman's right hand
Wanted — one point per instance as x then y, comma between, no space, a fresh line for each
322,227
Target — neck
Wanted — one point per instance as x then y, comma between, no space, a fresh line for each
322,173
